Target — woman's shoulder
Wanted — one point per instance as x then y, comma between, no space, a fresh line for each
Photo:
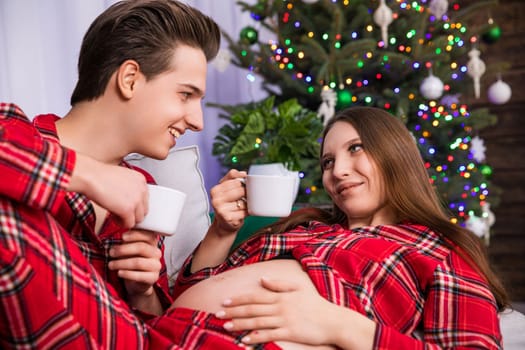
318,227
415,237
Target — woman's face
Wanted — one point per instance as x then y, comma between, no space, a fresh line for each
352,179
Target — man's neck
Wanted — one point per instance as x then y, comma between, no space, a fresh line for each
89,128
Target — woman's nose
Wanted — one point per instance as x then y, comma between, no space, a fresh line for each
342,168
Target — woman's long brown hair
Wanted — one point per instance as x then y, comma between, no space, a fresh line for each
393,149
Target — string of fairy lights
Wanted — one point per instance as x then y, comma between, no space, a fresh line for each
352,89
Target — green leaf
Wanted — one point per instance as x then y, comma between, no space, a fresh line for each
255,124
243,145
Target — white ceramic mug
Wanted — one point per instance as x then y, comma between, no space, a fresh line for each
270,195
164,210
275,169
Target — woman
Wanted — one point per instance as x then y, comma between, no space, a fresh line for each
385,269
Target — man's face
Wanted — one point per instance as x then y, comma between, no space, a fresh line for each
164,107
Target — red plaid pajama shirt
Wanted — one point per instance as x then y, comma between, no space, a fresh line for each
421,294
56,291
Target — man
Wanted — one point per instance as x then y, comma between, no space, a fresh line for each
72,273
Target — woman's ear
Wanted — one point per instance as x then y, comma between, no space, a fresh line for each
127,75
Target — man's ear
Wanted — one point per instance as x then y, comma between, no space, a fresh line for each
127,75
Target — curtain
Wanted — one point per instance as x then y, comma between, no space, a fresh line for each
40,41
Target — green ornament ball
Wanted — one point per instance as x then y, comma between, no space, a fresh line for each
259,11
486,170
249,35
491,34
344,99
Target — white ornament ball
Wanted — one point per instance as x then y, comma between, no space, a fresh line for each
438,8
499,92
310,1
222,60
449,100
477,225
432,87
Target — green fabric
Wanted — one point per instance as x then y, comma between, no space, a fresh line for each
251,225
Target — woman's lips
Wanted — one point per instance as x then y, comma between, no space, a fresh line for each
347,186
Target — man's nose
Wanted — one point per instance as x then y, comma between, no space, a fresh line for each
195,119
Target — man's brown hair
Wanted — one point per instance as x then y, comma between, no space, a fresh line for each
147,31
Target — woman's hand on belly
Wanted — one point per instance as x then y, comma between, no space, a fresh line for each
282,311
283,307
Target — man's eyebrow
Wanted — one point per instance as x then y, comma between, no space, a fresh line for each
195,89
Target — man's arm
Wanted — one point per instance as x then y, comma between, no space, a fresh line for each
34,171
37,172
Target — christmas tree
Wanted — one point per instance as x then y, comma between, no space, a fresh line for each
415,59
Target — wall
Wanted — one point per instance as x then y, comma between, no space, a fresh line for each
505,144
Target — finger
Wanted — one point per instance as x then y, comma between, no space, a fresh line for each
129,219
229,175
126,219
141,208
135,235
247,311
233,174
228,190
279,286
136,209
265,336
254,323
228,212
268,296
136,249
240,204
146,278
139,214
263,297
136,264
145,201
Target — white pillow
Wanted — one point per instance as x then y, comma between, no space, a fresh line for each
512,324
180,170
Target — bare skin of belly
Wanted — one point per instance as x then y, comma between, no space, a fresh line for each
209,294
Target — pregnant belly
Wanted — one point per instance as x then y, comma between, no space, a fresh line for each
209,294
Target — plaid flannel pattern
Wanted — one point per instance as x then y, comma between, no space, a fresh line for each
56,291
421,294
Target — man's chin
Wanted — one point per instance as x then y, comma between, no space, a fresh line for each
158,155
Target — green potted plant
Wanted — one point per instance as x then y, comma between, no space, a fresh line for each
262,132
